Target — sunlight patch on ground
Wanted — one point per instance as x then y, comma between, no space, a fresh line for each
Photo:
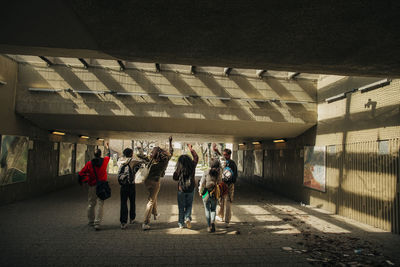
313,221
258,213
282,229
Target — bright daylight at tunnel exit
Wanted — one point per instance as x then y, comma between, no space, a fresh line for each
199,133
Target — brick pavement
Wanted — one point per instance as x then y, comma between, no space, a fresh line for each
51,230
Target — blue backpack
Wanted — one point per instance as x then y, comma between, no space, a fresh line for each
227,175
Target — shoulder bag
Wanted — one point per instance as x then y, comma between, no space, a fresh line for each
103,190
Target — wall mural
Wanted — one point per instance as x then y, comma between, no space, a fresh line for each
13,159
80,157
65,159
314,167
258,162
240,160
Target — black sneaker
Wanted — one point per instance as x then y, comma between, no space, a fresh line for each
212,227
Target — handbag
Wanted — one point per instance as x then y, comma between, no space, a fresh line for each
103,190
143,172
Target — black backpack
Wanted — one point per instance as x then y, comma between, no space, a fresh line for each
186,184
125,174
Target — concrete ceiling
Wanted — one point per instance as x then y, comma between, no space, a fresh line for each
131,127
333,37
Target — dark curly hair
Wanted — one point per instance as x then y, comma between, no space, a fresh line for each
185,166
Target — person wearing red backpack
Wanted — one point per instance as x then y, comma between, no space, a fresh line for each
229,176
94,171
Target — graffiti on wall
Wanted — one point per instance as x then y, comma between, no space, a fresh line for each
13,159
65,159
80,157
240,161
314,167
258,162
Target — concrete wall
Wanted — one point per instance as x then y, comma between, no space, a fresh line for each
42,169
361,183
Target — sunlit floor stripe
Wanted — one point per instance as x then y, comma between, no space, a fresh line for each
313,221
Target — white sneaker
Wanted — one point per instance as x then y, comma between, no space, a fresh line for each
123,225
217,218
145,227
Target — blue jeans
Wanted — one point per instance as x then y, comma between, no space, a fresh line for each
210,206
185,201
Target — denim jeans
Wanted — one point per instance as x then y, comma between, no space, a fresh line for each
127,192
210,205
185,201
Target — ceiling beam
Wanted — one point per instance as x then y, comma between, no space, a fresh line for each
45,59
84,63
293,75
260,73
121,65
227,71
193,70
158,67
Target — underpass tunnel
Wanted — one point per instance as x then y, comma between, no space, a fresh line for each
317,155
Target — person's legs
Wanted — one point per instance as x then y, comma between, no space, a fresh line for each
91,204
156,191
188,206
123,218
181,205
99,212
153,188
212,207
149,207
132,200
207,211
221,205
229,200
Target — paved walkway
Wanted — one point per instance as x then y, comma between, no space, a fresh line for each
267,230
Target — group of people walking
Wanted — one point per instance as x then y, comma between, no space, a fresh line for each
216,187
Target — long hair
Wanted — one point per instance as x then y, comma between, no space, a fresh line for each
158,154
215,168
185,166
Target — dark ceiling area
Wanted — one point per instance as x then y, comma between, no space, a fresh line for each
330,37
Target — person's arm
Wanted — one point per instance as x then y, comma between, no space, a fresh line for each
84,173
175,176
143,157
108,150
214,147
171,149
202,184
194,154
234,169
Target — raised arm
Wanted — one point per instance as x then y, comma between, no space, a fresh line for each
171,149
214,147
108,150
194,154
